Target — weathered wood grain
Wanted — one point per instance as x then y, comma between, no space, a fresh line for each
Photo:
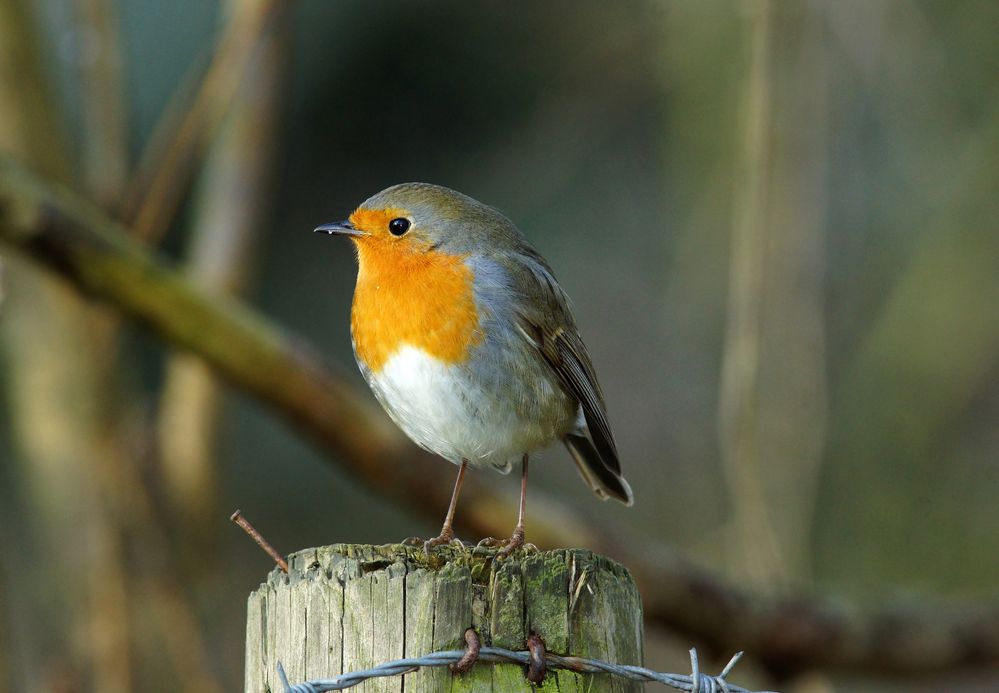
348,607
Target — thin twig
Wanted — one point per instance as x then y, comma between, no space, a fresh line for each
238,518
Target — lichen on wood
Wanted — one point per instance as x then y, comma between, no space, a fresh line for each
348,607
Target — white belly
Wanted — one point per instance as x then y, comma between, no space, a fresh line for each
483,419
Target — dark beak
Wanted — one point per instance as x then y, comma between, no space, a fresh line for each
340,228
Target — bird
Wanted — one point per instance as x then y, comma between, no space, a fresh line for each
469,342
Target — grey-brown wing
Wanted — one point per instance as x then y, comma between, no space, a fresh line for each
547,322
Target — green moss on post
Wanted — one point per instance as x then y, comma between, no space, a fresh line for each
348,607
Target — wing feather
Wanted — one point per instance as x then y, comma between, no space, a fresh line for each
546,322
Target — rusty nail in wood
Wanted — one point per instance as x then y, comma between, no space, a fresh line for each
472,645
537,669
238,518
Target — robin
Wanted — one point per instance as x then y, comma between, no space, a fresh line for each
469,343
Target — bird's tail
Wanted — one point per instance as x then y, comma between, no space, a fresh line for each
605,482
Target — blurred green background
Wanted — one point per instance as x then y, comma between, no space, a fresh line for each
777,222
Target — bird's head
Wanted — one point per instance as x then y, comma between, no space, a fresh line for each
416,218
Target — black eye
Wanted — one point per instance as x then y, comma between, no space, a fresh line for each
398,226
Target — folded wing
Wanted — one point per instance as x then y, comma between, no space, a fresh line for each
547,324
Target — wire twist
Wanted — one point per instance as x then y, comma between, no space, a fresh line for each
695,682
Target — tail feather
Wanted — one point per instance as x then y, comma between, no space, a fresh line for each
604,481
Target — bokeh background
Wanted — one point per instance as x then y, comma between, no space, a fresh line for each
777,221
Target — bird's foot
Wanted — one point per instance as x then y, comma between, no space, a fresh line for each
515,541
445,537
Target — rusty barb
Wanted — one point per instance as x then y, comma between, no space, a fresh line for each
238,518
537,669
472,647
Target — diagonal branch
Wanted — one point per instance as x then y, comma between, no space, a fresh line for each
165,171
788,634
231,202
72,236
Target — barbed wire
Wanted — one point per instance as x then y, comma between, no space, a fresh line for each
695,682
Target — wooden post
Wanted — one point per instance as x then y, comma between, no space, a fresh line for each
349,607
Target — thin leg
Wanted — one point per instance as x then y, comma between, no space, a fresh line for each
517,538
523,498
447,532
449,518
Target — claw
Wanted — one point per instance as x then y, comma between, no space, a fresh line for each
491,543
445,537
515,541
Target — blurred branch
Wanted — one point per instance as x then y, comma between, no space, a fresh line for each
183,641
160,604
97,60
30,128
792,411
76,439
231,204
60,393
773,395
62,230
105,151
788,634
754,536
167,165
172,144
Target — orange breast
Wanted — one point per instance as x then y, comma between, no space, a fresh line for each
420,299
